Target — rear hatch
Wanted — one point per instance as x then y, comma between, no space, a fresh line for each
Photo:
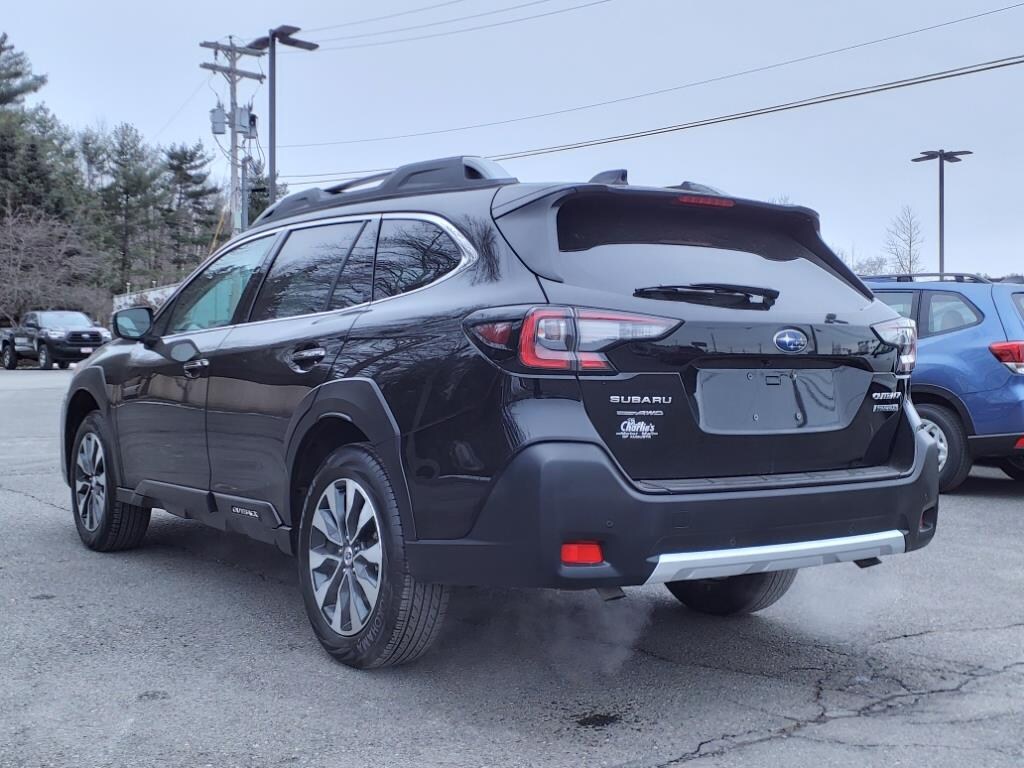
770,366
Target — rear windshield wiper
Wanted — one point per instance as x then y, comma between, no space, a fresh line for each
713,294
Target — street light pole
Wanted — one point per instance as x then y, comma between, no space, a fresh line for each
282,34
943,156
272,131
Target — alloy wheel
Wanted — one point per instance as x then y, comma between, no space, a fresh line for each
939,436
90,482
345,556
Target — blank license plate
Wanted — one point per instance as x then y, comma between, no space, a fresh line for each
86,350
738,401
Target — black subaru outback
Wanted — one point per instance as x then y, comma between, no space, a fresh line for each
441,376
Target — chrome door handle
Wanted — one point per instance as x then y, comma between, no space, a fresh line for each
308,356
196,368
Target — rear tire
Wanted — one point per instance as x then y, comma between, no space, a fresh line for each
45,359
944,425
9,357
104,523
733,595
365,607
1013,467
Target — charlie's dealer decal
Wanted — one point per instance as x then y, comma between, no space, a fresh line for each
636,429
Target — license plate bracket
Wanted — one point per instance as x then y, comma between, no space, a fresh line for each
767,400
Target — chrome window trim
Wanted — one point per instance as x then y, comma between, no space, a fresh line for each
718,563
469,257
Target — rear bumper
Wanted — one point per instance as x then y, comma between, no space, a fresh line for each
564,491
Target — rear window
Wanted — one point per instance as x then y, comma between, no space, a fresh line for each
619,245
901,301
1018,299
948,312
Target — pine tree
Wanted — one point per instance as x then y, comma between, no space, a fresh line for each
16,78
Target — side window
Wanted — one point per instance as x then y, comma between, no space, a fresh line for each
355,283
211,298
949,312
30,320
411,254
1018,299
901,301
305,271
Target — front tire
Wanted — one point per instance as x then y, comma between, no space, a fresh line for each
365,607
954,456
45,358
733,595
63,365
104,523
9,357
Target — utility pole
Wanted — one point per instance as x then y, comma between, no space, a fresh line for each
245,191
284,35
234,76
943,156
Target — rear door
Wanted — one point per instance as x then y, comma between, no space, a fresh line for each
25,334
787,377
259,376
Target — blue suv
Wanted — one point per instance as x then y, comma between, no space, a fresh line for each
968,384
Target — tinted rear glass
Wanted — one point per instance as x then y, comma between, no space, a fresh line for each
619,246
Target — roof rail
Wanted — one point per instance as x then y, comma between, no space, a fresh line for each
957,277
442,175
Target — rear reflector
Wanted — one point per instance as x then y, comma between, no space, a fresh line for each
1010,354
582,553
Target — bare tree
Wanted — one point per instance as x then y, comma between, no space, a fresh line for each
903,242
43,265
871,265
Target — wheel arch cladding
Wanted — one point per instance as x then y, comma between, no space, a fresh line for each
90,391
344,412
922,394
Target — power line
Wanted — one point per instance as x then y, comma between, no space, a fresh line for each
931,77
435,23
467,29
660,91
184,104
386,17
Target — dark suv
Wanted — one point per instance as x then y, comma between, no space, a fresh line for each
441,376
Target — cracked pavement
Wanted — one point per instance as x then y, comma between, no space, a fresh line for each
194,650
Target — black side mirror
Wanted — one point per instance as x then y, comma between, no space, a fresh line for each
133,324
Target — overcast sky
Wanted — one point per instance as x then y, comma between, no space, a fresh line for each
139,62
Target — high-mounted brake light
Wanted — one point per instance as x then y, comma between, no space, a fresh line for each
1010,354
561,338
901,333
708,200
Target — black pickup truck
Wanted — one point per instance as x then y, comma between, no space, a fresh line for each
52,336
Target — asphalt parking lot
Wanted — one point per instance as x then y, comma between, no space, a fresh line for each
194,650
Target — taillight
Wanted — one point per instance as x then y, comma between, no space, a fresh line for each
901,333
562,338
1010,354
